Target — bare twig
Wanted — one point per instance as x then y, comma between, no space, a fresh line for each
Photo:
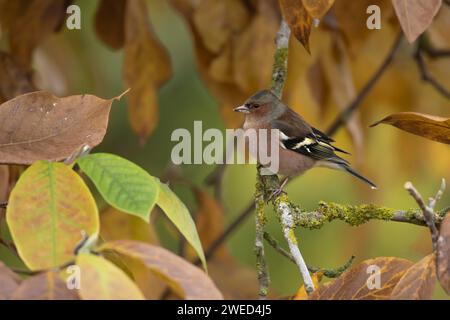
345,115
329,273
3,205
424,46
427,210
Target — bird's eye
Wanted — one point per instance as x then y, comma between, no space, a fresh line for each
256,106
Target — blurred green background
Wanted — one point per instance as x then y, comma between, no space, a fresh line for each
90,67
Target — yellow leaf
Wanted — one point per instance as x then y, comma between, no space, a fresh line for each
102,280
146,68
48,210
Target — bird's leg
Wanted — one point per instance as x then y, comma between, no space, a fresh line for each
279,190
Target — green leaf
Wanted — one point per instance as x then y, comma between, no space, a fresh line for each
102,280
122,184
177,212
48,210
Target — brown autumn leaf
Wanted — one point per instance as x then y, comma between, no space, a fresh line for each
428,126
56,127
352,284
317,8
9,282
146,67
415,16
40,19
14,79
318,84
185,279
298,19
443,255
338,71
44,286
109,23
418,282
10,11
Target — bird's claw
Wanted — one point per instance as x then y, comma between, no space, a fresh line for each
276,193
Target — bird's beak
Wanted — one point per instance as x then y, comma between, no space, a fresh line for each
242,109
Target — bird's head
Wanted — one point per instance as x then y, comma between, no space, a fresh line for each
262,104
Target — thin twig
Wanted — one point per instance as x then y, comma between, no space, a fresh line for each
426,75
329,273
427,210
345,115
3,205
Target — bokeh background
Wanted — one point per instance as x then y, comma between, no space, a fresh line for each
75,61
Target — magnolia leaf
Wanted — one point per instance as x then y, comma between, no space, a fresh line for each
417,283
353,283
118,225
109,22
317,8
122,184
44,286
424,125
443,254
49,209
177,212
56,127
33,25
146,67
9,282
102,280
415,16
185,279
298,19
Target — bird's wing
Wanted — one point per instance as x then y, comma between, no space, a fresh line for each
298,136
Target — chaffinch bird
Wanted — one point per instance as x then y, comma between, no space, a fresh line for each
301,146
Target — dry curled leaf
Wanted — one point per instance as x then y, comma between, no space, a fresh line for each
185,279
317,8
4,182
44,286
56,127
146,67
109,23
415,16
352,284
418,282
298,19
443,254
424,125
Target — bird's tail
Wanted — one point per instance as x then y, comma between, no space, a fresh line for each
357,175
